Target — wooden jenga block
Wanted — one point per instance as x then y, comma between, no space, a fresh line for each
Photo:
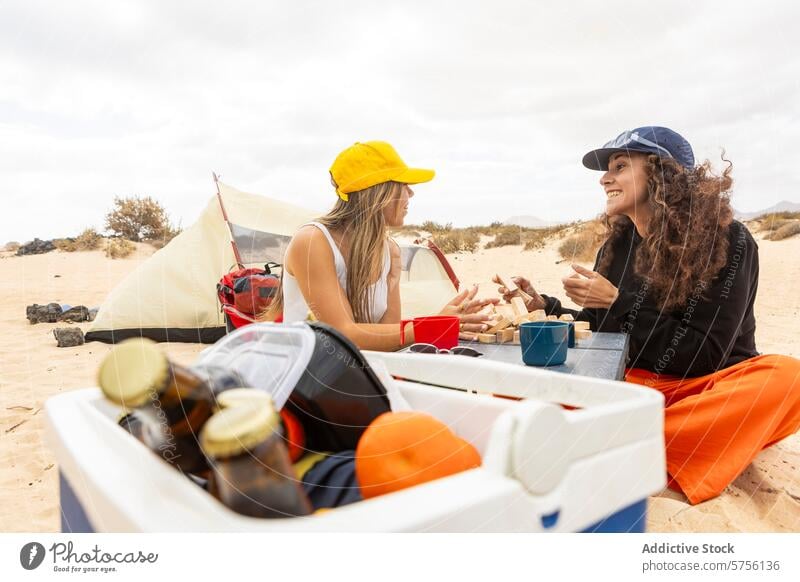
566,317
552,318
538,315
487,338
582,334
520,319
516,337
507,282
525,297
519,306
584,325
506,310
505,335
499,326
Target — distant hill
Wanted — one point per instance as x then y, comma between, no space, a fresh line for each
528,222
783,206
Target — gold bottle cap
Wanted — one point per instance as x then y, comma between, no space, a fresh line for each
238,396
132,371
234,430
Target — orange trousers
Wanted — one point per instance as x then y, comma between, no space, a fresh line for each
715,425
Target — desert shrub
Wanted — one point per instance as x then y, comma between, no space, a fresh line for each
88,240
505,238
786,215
12,246
454,241
435,227
119,248
138,219
581,247
536,238
65,245
407,230
774,220
787,230
772,224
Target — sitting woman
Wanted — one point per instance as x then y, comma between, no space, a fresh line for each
679,275
345,269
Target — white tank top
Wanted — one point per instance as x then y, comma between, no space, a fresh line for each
295,307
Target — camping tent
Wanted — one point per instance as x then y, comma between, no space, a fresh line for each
172,296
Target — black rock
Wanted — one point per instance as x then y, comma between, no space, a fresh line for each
68,337
36,247
76,314
43,313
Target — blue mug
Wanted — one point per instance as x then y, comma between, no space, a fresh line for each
544,343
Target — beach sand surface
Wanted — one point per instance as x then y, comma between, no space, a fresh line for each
766,497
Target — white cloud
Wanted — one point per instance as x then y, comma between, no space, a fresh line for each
502,99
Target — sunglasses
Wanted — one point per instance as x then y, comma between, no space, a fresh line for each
627,137
432,349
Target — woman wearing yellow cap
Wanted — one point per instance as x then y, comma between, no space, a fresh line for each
345,268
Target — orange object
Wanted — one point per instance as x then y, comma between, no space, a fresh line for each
295,435
403,449
715,425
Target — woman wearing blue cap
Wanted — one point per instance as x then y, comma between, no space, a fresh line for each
679,275
345,269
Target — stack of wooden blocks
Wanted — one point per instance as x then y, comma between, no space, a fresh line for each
506,319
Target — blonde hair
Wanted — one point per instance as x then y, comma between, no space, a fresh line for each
362,221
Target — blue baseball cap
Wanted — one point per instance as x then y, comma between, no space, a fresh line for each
650,139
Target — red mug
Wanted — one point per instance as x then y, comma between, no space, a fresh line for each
439,330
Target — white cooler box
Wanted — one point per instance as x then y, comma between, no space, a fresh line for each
545,468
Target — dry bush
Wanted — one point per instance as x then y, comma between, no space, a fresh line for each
536,238
780,215
88,240
138,219
453,241
584,244
775,220
787,230
12,246
506,238
409,230
493,229
119,248
65,245
435,227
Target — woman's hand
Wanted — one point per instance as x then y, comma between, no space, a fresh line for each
589,288
536,302
467,308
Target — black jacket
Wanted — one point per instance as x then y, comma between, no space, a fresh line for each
714,330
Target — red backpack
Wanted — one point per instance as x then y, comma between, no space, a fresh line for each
249,290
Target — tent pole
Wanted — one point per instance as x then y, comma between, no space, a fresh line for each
235,248
445,264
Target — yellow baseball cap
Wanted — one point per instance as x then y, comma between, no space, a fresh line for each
373,162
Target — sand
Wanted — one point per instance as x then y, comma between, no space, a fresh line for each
766,497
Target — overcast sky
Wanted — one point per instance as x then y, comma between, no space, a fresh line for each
502,99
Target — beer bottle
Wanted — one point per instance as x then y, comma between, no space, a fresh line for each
171,401
131,422
251,472
240,396
291,430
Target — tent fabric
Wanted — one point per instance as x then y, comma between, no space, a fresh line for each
172,295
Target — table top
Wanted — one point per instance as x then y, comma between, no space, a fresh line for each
601,356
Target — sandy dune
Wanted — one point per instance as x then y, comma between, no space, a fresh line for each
765,498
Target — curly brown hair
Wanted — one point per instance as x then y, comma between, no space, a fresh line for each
686,245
